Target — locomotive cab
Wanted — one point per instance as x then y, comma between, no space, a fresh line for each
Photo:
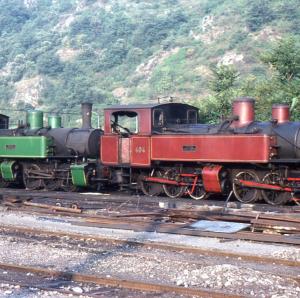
145,119
128,130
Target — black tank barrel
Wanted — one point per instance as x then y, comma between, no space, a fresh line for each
86,112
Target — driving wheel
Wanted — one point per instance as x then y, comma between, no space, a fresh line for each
171,190
31,177
274,197
151,188
245,194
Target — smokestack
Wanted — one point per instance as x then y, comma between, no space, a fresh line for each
243,107
281,113
86,113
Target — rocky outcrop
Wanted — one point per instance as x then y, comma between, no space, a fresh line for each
28,91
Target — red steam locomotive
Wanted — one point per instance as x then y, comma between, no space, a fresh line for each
163,147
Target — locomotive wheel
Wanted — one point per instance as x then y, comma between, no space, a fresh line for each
173,191
51,184
151,188
3,183
199,193
32,183
242,193
273,197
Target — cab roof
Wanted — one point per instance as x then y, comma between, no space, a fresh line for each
146,106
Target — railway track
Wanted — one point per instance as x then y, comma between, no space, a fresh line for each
117,200
150,225
114,282
36,232
287,268
147,216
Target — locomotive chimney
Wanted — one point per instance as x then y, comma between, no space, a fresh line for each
86,112
281,113
243,108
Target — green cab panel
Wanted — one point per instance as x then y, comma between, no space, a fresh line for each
25,147
78,174
7,170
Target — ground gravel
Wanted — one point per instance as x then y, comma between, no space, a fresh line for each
145,264
127,262
243,281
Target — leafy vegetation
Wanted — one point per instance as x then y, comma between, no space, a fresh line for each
282,85
106,51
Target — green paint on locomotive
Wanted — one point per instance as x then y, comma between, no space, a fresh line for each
7,170
79,175
35,119
25,147
54,121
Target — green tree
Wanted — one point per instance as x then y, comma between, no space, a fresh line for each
258,14
284,62
49,64
223,86
224,78
284,58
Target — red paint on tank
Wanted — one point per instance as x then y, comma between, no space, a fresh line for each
140,151
109,149
281,113
243,107
212,148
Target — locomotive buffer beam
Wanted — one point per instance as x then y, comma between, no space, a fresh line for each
253,184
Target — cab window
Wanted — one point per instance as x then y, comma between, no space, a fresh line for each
124,122
158,118
191,116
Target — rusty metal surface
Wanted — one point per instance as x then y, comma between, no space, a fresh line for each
51,207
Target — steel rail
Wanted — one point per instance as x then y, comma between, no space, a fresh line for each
183,229
180,213
157,245
116,282
119,198
149,225
44,288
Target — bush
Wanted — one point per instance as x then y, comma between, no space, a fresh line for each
49,64
259,14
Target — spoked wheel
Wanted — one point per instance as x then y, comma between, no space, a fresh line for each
66,185
242,193
198,193
151,188
274,197
173,191
29,179
51,184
